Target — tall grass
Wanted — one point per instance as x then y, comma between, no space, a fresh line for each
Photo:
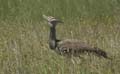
24,36
69,9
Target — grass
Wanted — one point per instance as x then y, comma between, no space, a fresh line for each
24,36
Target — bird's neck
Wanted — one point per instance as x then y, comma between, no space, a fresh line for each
52,38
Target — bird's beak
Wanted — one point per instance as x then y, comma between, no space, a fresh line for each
60,22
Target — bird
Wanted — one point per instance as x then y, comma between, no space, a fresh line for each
68,46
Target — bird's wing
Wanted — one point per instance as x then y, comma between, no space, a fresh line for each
73,44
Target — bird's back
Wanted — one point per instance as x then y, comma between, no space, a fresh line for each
69,43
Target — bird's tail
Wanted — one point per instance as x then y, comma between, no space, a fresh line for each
99,52
95,50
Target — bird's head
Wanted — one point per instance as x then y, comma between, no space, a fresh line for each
52,21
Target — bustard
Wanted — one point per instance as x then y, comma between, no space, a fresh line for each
68,46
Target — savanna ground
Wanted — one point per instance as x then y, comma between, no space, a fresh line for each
24,36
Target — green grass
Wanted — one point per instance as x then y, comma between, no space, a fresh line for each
24,36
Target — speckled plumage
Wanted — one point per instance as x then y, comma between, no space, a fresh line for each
74,47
